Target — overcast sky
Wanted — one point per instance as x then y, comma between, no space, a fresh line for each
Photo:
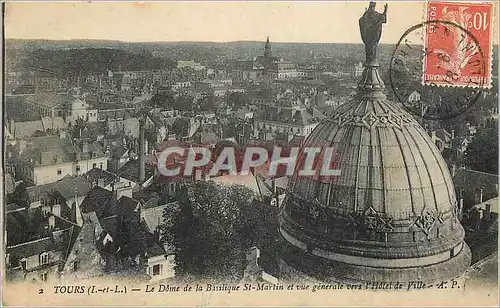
322,22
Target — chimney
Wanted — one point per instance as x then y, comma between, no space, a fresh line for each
487,212
56,210
76,211
52,222
11,127
142,160
460,209
22,146
452,134
85,147
100,182
481,196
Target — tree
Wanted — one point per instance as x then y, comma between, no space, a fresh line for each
213,227
164,100
207,103
482,152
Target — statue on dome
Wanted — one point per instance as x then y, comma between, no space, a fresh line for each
370,26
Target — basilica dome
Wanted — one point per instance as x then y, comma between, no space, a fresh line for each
391,214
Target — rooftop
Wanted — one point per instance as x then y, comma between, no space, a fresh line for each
68,187
52,150
130,171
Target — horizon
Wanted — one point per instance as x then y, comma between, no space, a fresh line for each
218,22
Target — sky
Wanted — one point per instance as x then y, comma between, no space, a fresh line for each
311,22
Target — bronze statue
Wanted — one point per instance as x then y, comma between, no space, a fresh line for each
370,26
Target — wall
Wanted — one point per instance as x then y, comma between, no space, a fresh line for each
48,174
166,264
84,251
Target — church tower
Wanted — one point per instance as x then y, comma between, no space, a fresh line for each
267,49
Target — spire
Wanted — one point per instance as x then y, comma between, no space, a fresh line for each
267,49
370,26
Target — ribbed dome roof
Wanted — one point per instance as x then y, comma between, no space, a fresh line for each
387,162
394,198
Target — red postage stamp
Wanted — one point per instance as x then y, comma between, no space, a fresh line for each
458,44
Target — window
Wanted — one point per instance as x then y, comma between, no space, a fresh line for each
100,165
94,165
157,269
44,258
43,277
75,266
59,171
23,264
77,168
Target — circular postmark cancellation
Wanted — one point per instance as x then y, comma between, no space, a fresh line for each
438,70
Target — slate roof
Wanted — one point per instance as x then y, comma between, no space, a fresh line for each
32,248
54,123
471,182
111,226
126,206
93,175
13,207
292,116
50,150
118,151
98,200
67,187
152,247
130,171
128,126
148,198
154,215
51,100
26,129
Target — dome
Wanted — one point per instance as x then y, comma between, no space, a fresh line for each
392,213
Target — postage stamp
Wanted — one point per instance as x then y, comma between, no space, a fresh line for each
459,33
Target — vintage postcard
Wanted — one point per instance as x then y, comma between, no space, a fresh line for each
263,153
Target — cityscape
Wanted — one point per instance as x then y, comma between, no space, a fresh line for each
85,123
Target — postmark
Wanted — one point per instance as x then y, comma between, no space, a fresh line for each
454,58
444,95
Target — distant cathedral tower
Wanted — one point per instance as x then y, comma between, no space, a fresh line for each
267,49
